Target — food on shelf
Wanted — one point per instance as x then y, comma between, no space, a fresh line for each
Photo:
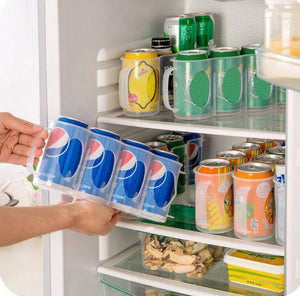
179,256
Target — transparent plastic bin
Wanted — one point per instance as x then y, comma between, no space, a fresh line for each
214,202
280,200
253,208
176,256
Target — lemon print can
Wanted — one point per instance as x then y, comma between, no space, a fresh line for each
139,83
228,79
214,200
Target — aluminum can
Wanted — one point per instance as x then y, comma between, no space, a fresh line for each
228,68
281,96
161,185
214,200
205,29
280,172
253,201
278,150
134,164
155,145
194,146
251,149
63,154
234,157
270,159
260,94
265,144
182,32
177,146
101,157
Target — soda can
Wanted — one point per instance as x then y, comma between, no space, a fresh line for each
277,150
234,157
131,176
259,93
253,201
205,29
162,183
265,144
194,145
228,68
281,96
182,32
280,172
177,146
214,201
270,159
101,156
60,165
251,149
155,145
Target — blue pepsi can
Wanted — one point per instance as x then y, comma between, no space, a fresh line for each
102,153
162,184
63,154
194,144
133,167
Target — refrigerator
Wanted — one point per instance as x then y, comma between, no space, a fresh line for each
80,45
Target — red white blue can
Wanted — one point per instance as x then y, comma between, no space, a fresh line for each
63,154
101,156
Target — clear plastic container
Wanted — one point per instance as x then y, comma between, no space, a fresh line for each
254,269
280,200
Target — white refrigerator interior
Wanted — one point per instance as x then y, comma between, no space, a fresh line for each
81,42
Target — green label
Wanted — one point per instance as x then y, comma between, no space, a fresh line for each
187,33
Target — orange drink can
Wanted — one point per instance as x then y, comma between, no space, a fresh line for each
265,144
253,201
270,159
234,157
214,199
251,149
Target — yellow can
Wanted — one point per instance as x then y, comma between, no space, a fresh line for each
139,82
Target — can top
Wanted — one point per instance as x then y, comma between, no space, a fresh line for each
268,158
279,150
140,53
249,49
231,154
217,52
246,146
170,138
72,121
156,145
136,144
105,132
165,154
214,163
254,167
160,42
257,140
190,55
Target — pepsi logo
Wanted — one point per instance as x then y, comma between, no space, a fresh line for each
95,155
128,164
158,174
58,142
193,151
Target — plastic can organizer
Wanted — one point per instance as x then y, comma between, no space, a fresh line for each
254,269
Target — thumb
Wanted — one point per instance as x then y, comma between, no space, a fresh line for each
20,125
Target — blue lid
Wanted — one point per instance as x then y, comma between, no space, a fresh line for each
165,154
72,121
104,132
136,144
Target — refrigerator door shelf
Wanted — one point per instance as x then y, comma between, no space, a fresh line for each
128,266
270,124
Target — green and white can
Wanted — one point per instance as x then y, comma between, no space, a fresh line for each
182,32
228,79
281,96
259,94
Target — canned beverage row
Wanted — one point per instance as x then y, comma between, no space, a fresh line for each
95,164
236,191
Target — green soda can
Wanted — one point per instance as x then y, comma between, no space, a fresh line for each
177,146
281,96
259,93
182,32
205,30
228,71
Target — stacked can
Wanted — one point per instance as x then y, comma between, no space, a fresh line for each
177,146
214,201
228,68
155,145
278,150
234,157
270,159
265,144
250,149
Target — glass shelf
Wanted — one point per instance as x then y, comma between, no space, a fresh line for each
269,124
128,266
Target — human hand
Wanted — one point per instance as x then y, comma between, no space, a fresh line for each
17,136
93,218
